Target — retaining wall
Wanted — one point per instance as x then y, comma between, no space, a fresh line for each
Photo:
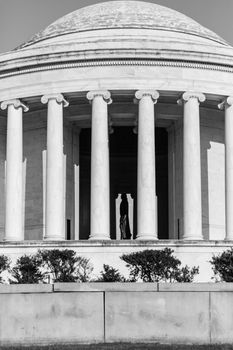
114,312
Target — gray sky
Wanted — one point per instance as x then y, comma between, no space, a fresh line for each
20,19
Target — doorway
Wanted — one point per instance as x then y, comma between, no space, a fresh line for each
123,177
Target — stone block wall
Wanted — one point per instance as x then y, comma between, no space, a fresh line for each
116,312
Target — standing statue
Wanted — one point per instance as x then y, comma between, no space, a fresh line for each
124,218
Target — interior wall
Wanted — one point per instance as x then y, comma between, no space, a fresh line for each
178,179
85,183
213,174
69,179
34,142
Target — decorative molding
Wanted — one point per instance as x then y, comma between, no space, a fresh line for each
226,103
58,97
102,93
16,103
191,94
152,93
130,62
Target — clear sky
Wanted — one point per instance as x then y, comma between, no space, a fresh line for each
20,19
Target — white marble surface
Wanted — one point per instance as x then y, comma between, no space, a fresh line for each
100,205
192,209
147,215
14,225
54,169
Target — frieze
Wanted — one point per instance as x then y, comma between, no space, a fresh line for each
130,62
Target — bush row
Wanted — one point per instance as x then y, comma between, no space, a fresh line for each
149,265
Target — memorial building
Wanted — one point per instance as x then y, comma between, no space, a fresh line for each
119,101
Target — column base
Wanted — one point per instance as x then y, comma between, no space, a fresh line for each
54,238
13,239
193,238
99,238
147,237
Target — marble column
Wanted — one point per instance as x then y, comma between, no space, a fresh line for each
146,181
192,207
54,216
14,170
227,105
100,201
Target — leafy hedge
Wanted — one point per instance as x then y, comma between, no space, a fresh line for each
66,266
158,266
58,265
110,274
4,265
222,265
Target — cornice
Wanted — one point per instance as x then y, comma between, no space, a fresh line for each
116,62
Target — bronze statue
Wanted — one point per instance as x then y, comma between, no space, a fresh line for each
124,218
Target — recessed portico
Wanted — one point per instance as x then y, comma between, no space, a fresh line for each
118,120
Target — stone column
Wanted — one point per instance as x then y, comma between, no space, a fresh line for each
54,164
192,207
100,203
227,105
146,182
14,170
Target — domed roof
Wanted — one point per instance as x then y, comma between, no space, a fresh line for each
124,14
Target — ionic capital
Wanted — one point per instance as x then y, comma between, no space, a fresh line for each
16,103
199,96
226,103
142,93
58,97
106,95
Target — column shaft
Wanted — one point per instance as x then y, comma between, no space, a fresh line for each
54,168
146,181
100,203
192,206
228,106
14,171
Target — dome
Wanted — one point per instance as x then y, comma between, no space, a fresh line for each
123,15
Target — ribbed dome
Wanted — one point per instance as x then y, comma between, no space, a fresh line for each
124,14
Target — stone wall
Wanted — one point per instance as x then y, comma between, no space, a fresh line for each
115,312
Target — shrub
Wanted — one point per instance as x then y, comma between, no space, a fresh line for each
27,270
222,266
158,265
4,265
109,274
65,265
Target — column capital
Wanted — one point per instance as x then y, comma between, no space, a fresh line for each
152,93
227,102
101,93
16,103
191,94
58,97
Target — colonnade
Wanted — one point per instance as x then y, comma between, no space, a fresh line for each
146,175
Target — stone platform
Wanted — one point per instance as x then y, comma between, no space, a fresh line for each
192,253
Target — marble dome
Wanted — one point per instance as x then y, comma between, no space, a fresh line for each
123,15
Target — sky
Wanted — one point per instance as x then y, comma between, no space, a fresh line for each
21,19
